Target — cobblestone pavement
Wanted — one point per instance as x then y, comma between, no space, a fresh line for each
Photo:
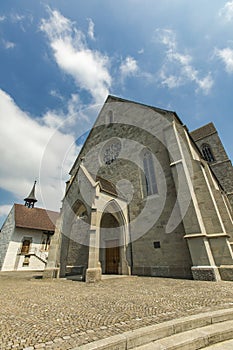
61,314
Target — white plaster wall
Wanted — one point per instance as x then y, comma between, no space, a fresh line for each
35,264
13,261
10,257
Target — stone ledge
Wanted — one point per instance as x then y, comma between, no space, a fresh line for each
147,335
193,339
116,342
207,235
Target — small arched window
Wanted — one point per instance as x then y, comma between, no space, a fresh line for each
149,172
207,153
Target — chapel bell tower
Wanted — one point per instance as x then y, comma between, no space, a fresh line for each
31,199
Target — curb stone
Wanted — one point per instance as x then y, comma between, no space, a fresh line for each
145,335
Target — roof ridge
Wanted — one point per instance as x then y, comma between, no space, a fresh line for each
36,208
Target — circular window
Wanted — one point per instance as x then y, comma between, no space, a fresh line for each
111,151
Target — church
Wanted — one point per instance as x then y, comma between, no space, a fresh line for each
146,197
25,236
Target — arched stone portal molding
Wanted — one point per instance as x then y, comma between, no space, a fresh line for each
87,225
117,229
115,257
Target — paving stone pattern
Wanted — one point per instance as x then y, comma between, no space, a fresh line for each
62,314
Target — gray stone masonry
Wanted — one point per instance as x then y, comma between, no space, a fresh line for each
5,235
222,166
184,224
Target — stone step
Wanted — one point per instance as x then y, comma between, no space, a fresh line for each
220,325
195,339
226,345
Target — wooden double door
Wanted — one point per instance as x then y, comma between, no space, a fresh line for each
112,257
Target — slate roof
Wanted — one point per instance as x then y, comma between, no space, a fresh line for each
35,218
107,186
203,131
31,197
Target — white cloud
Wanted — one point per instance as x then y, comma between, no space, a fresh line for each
129,67
4,210
166,37
56,94
2,18
89,68
170,81
206,83
226,55
91,27
23,21
15,17
73,114
184,60
52,119
8,44
57,26
177,69
31,150
227,11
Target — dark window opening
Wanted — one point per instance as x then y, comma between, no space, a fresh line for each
207,153
157,245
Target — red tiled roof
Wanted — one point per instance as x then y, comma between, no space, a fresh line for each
35,218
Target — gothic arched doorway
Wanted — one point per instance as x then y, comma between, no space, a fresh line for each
113,245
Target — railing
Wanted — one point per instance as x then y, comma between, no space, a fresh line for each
42,255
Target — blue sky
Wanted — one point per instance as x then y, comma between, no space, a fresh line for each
60,60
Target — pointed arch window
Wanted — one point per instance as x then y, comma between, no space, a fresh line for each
149,172
207,153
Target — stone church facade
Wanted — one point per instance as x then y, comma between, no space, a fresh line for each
144,199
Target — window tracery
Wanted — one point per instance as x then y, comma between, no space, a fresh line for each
149,172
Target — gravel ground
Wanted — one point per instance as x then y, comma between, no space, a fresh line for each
62,314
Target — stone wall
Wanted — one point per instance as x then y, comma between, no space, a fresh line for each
188,202
148,216
222,166
5,236
75,230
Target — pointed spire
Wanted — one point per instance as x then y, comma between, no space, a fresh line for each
31,199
